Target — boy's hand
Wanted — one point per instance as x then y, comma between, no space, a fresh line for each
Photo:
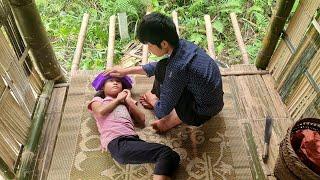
116,72
122,96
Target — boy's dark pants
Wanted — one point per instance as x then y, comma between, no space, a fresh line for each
185,107
132,150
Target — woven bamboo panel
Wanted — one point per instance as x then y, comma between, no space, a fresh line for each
14,126
13,74
304,93
296,30
13,118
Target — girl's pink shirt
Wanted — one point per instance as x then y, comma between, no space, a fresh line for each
115,124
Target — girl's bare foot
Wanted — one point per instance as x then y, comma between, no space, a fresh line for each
166,123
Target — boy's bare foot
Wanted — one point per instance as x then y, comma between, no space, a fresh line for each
144,103
166,123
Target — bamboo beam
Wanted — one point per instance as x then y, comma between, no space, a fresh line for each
6,170
175,21
112,36
81,38
276,25
33,31
245,57
241,73
27,159
209,36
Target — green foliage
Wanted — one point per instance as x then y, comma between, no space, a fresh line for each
62,20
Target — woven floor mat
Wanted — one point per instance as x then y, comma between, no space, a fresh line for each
215,150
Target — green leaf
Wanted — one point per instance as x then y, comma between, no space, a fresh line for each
220,47
218,25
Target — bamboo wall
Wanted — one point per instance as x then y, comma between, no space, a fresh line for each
20,85
295,64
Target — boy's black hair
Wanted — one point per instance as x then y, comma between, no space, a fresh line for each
156,27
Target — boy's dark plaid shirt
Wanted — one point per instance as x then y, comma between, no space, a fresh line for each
189,67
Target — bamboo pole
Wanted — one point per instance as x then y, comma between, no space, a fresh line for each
276,25
81,38
175,21
33,32
6,170
245,57
112,36
209,36
27,158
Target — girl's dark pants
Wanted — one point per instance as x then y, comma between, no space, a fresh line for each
132,150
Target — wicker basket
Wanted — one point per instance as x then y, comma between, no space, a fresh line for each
288,165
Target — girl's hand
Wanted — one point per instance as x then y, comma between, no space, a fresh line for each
122,96
129,97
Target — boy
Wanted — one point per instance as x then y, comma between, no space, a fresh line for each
188,84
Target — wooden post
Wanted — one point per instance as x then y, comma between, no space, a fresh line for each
175,21
209,36
35,36
275,27
112,36
123,25
81,38
245,58
27,158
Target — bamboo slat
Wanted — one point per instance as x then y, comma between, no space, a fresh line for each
80,42
112,36
49,133
295,31
6,153
175,21
209,36
236,28
13,74
13,117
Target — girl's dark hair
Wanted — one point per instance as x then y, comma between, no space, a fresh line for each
156,27
100,94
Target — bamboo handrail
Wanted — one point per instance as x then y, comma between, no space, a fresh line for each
27,159
209,36
34,33
276,25
112,36
237,32
81,38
